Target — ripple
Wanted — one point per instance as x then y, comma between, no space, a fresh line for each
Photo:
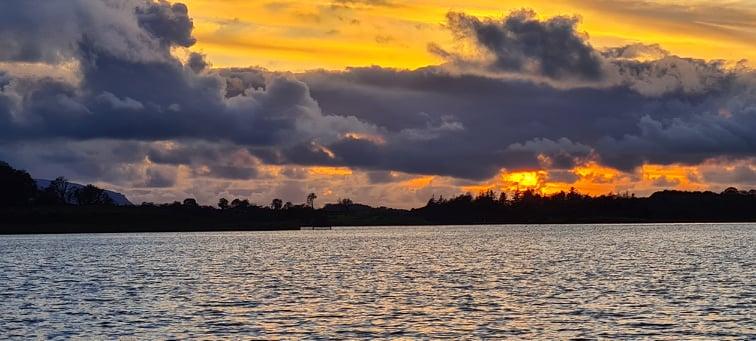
532,282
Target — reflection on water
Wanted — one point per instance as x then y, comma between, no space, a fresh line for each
655,281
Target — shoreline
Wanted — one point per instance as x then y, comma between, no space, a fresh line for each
73,230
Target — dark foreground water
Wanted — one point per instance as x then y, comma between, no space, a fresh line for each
549,282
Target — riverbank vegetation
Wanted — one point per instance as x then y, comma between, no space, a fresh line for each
62,208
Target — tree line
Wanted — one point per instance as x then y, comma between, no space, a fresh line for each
530,206
18,188
61,207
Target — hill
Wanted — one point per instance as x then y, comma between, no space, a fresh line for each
119,199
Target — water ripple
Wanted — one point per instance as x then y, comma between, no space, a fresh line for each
522,282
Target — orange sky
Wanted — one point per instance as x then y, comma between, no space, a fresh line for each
300,35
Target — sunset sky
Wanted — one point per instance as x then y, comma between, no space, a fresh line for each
386,102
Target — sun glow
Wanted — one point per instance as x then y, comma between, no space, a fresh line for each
418,183
330,171
595,179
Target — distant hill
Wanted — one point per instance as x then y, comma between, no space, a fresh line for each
118,198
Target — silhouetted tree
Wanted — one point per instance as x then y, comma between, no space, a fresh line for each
92,195
573,194
276,204
240,204
223,204
346,202
16,186
502,198
58,192
311,200
190,202
288,205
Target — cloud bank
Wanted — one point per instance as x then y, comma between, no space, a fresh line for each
139,109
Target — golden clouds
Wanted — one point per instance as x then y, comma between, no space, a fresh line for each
330,171
418,183
302,35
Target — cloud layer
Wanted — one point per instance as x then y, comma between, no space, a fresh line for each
138,109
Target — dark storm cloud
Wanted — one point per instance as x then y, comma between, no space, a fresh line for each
150,95
168,22
51,31
508,123
23,40
553,50
159,112
229,172
197,62
522,43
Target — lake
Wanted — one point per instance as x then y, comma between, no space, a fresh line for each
674,281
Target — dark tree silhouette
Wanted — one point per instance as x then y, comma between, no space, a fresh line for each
311,200
91,195
241,204
276,204
345,203
223,204
190,202
59,191
288,205
16,186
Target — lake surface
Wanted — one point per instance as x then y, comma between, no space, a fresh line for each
687,281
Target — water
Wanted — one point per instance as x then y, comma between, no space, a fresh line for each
549,282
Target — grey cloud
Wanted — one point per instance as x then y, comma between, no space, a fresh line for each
522,43
228,172
295,173
239,80
52,31
636,51
23,40
564,176
553,50
431,131
671,74
168,22
385,177
290,191
118,103
740,174
177,101
197,62
380,177
693,134
561,153
160,177
665,182
509,122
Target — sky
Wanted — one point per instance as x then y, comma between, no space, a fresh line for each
385,102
